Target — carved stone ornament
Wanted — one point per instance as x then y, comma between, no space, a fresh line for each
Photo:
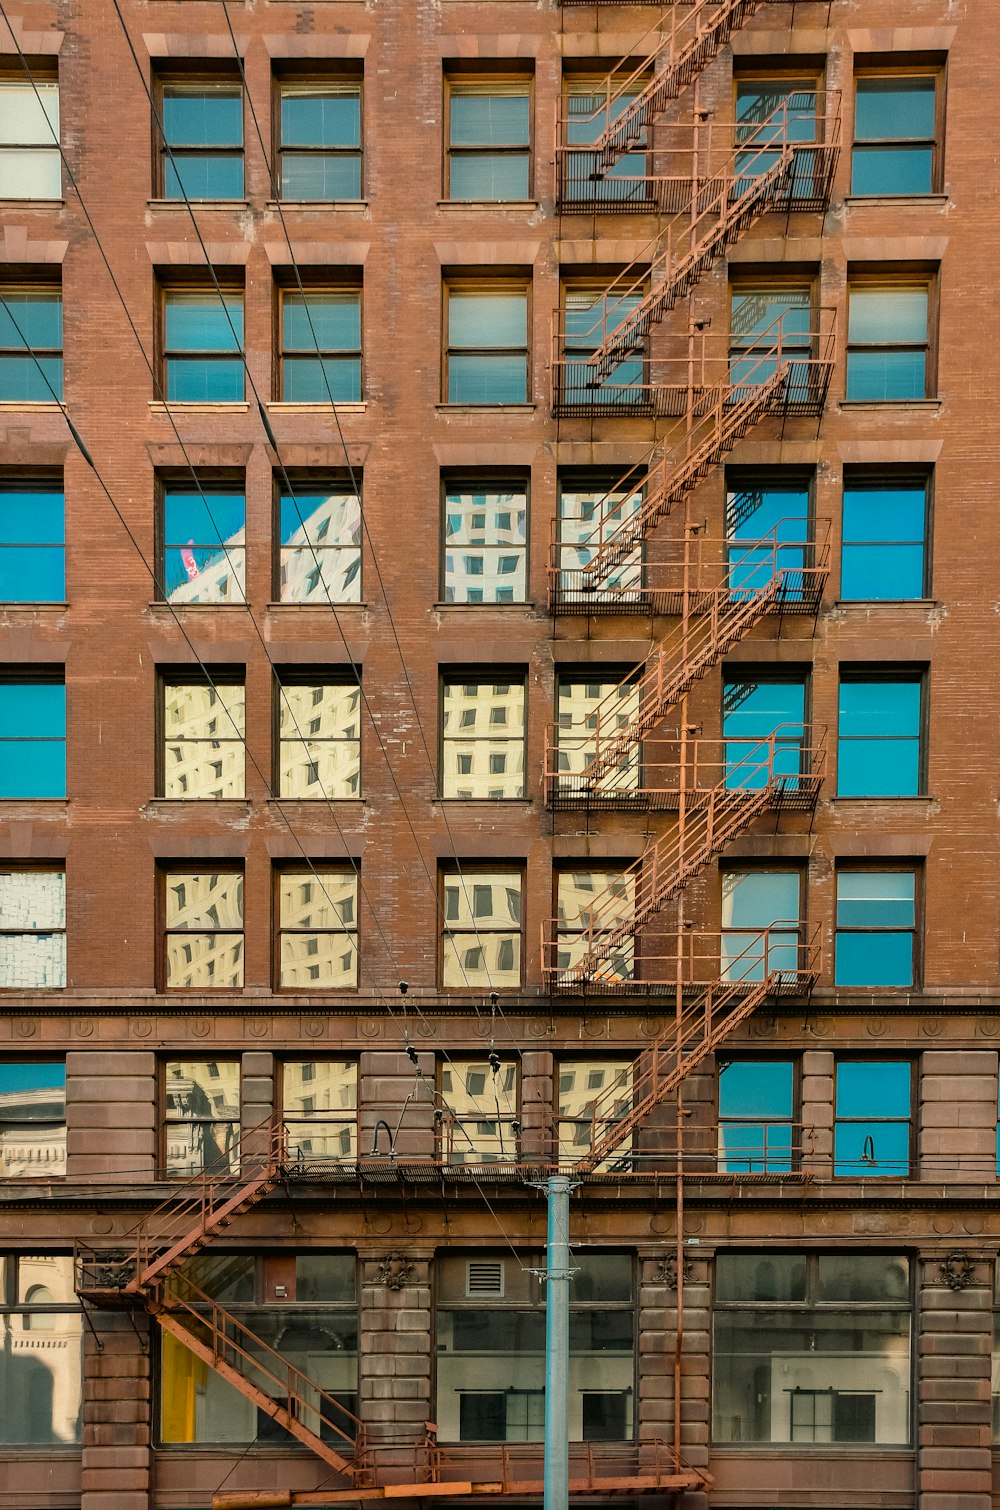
394,1272
667,1273
957,1271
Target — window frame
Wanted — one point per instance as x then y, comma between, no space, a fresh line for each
902,70
211,678
906,675
11,1260
912,1062
24,675
786,939
44,75
576,185
167,869
467,872
487,483
481,676
44,286
325,1118
457,1146
305,485
494,283
345,80
342,677
23,484
168,289
279,930
285,292
779,1162
165,1122
887,479
897,280
201,78
10,1126
507,83
903,867
46,868
217,483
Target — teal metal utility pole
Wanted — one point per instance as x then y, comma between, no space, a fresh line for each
558,1276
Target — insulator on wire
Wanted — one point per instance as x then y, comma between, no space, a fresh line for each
412,1055
494,1061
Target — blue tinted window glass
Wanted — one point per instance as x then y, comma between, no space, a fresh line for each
32,739
871,708
894,108
321,118
874,959
876,898
30,320
32,554
482,320
756,1088
881,573
775,111
321,322
196,175
31,379
490,120
192,381
873,1088
484,175
883,550
892,170
758,898
304,516
208,117
752,712
308,380
33,710
20,1078
487,379
877,376
863,1150
203,322
319,176
886,514
878,748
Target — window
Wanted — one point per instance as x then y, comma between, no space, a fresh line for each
884,538
887,342
763,725
479,1098
31,339
201,143
29,138
485,540
203,929
32,733
301,1306
40,1375
489,139
201,1116
760,924
591,314
482,737
771,113
319,152
811,1348
319,736
320,346
756,1105
589,903
203,346
32,1119
32,929
770,325
768,527
876,928
486,343
594,1095
591,712
204,751
871,1133
319,1104
879,736
481,939
319,530
32,541
491,1349
203,543
585,178
592,509
896,132
317,928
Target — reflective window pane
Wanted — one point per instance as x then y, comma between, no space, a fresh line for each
41,1376
482,755
204,756
204,551
319,737
32,1119
879,738
32,545
201,1115
204,919
875,928
318,929
482,929
318,116
884,541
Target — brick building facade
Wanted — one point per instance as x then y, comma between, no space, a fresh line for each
481,499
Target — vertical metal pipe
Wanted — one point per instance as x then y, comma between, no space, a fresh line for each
557,1281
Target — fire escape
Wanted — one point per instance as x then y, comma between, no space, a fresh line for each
621,149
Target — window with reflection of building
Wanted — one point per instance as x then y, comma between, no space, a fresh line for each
303,1306
32,1119
479,1099
319,550
319,735
203,544
481,939
590,712
204,724
482,737
203,929
589,903
491,1348
201,1116
41,1351
485,541
319,1108
591,512
593,1095
317,928
811,1348
32,928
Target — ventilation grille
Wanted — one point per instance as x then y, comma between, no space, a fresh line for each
484,1278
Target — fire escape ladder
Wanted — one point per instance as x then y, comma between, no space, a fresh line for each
676,59
691,649
234,1351
704,1025
729,215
